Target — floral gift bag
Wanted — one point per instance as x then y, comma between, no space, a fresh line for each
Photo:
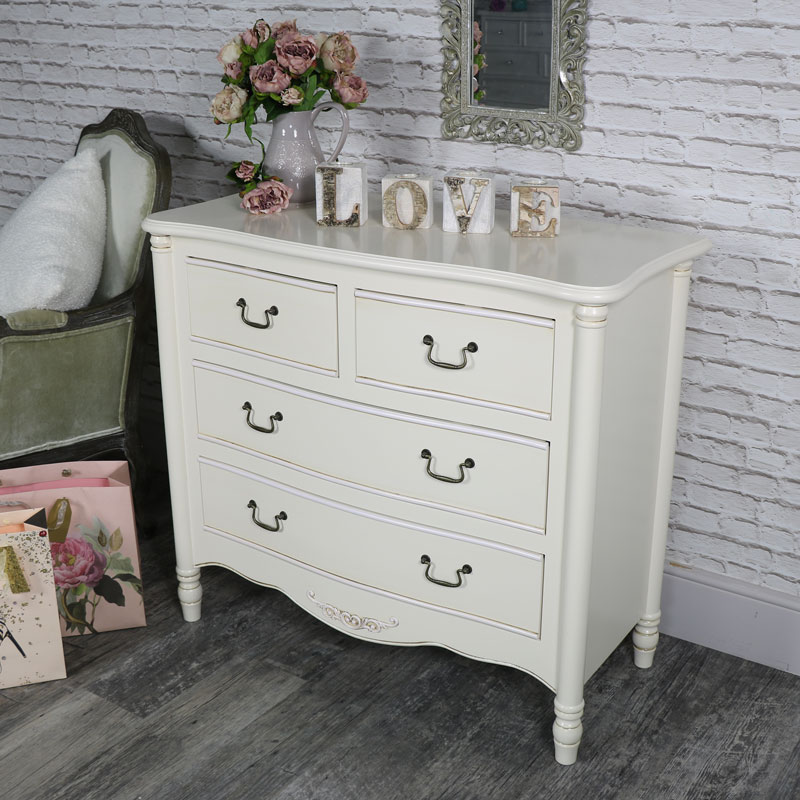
92,540
30,637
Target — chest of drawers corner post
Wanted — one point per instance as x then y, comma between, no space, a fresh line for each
427,438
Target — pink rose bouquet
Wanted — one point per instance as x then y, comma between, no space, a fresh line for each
265,61
280,70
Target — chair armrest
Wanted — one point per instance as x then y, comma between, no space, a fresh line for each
43,321
36,319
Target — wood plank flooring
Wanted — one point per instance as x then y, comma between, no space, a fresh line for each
259,700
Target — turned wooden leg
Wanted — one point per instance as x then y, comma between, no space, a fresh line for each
190,593
567,731
645,639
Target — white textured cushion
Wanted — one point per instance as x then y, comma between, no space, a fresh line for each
51,249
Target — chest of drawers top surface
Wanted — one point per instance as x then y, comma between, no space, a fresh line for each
591,261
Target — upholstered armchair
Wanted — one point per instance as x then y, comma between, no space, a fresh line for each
70,381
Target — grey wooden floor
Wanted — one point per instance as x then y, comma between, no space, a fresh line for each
259,700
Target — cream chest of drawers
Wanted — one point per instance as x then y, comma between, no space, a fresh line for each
428,438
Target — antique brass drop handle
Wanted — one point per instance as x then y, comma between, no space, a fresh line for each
273,418
278,517
467,463
465,570
471,347
269,313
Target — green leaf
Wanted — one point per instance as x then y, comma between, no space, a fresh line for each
119,563
263,52
77,610
135,582
230,125
76,621
115,541
313,101
248,123
110,591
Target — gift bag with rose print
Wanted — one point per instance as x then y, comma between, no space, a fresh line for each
30,635
92,540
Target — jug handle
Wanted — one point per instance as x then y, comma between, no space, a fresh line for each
345,124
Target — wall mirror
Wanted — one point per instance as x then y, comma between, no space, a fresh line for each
525,83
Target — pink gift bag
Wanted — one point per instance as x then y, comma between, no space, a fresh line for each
92,540
30,636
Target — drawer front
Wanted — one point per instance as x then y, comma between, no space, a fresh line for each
512,367
501,32
498,584
303,332
503,477
517,63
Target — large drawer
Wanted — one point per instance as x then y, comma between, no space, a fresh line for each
496,583
229,305
484,356
504,477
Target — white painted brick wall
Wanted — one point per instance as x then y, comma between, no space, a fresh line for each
693,123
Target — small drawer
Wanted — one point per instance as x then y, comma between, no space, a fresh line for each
501,584
474,355
516,63
483,473
274,316
501,32
537,32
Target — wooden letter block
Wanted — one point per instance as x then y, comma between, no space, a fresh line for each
535,208
468,202
407,201
341,194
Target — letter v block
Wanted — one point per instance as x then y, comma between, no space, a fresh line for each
468,202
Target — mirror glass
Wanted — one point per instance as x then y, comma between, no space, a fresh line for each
513,71
515,38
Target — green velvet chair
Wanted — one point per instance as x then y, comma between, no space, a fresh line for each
70,381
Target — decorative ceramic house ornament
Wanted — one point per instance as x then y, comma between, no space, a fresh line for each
341,194
468,202
407,201
535,208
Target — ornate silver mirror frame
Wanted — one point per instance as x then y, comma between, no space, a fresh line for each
558,125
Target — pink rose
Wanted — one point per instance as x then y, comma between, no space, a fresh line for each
351,89
246,170
338,53
250,38
296,53
234,70
269,197
228,104
292,96
477,34
286,28
262,30
75,562
269,77
230,51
